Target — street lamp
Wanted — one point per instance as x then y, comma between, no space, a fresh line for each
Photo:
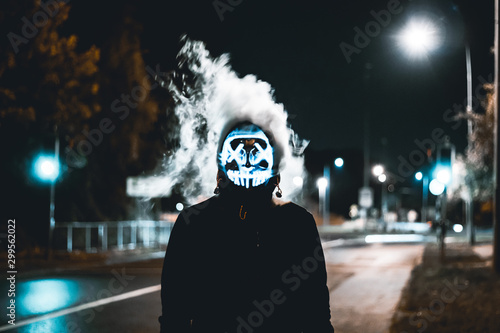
339,162
436,187
322,184
419,37
419,176
425,189
377,170
443,176
382,178
298,181
47,169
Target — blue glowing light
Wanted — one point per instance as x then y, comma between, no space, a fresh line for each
46,168
44,296
419,176
339,162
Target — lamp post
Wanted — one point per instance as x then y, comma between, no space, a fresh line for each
379,172
322,184
419,38
47,168
420,176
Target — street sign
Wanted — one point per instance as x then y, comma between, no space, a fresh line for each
366,197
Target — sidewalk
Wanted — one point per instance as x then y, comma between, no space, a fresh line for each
365,285
37,264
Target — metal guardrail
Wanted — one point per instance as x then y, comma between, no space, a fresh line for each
121,235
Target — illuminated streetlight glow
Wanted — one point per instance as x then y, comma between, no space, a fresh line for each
179,206
298,181
419,37
378,170
322,183
419,176
339,162
458,227
382,178
436,187
47,168
443,176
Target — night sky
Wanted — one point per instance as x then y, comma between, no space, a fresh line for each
296,48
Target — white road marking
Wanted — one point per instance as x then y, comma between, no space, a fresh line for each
112,299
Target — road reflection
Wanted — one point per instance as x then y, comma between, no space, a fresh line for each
44,296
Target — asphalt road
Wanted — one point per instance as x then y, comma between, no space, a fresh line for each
118,298
364,281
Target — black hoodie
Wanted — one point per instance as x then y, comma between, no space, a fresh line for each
242,262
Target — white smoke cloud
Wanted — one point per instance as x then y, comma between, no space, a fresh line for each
209,97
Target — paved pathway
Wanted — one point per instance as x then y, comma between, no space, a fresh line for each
365,284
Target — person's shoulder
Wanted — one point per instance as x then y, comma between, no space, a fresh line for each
197,211
292,209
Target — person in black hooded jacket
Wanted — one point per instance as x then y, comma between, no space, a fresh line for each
243,261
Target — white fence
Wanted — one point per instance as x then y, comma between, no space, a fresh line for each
119,235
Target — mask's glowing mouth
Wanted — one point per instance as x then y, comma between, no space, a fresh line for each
244,178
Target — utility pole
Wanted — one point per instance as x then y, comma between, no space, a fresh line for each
496,229
469,201
326,204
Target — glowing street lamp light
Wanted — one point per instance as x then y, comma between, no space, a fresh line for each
382,178
419,37
298,181
46,168
378,170
419,176
443,176
322,184
436,187
339,162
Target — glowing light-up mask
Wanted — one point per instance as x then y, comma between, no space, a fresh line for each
247,157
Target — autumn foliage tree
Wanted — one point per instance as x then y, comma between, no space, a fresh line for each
51,85
474,178
44,81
